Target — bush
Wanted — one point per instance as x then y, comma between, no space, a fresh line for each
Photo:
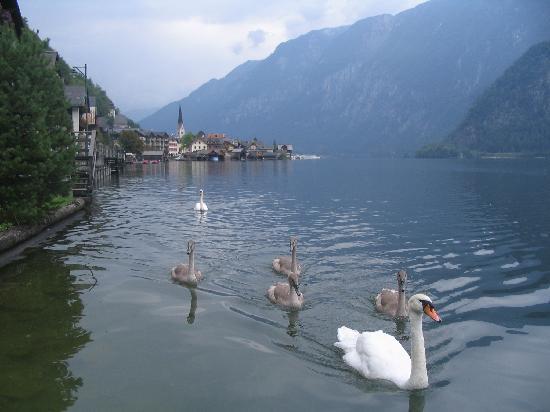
36,147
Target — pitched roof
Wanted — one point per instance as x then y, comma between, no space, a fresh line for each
76,95
121,120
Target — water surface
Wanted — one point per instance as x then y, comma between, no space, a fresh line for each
91,321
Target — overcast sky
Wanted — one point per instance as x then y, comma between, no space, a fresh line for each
147,53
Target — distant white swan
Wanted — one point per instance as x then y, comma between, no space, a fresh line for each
287,264
187,274
377,355
200,206
288,294
393,302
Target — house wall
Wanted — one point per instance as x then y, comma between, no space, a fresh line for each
76,119
198,145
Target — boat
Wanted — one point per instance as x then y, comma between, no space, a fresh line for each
305,157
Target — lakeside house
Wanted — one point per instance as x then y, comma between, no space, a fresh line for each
153,155
76,96
198,144
173,147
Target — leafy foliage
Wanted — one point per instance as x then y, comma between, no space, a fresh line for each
36,147
130,141
187,139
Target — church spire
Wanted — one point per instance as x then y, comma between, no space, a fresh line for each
181,128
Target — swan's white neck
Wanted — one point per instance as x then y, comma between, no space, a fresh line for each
192,264
419,373
201,200
293,264
401,302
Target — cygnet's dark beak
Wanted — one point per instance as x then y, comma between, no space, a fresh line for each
295,286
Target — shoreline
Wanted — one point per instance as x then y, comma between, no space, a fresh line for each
19,234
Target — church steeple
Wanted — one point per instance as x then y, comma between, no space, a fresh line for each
181,128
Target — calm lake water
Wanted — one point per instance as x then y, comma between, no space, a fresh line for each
91,321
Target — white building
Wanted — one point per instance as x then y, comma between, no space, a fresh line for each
198,145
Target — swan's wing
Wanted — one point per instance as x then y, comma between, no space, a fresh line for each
197,206
278,292
179,271
381,357
284,262
386,301
198,275
204,207
347,338
281,264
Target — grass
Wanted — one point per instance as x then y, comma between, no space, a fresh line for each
5,226
59,201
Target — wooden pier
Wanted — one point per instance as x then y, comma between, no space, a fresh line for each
94,161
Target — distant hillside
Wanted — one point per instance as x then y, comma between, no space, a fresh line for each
513,115
383,85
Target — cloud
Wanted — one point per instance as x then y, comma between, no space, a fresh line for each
146,53
257,37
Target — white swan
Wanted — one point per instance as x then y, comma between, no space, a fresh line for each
377,355
200,206
393,302
288,294
187,274
287,264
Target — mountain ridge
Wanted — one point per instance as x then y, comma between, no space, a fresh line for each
513,115
389,84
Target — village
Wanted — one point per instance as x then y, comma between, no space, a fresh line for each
202,146
161,146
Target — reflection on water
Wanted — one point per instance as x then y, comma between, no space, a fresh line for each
39,322
475,236
416,401
400,328
293,323
192,306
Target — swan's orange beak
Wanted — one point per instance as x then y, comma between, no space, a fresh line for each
430,311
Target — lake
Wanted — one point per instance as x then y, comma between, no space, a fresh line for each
90,319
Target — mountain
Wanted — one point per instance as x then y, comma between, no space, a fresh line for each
384,85
513,115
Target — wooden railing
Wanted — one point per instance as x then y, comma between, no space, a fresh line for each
93,159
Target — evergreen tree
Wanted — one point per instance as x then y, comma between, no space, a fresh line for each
36,147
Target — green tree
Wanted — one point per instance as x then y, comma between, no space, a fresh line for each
130,141
187,139
36,147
